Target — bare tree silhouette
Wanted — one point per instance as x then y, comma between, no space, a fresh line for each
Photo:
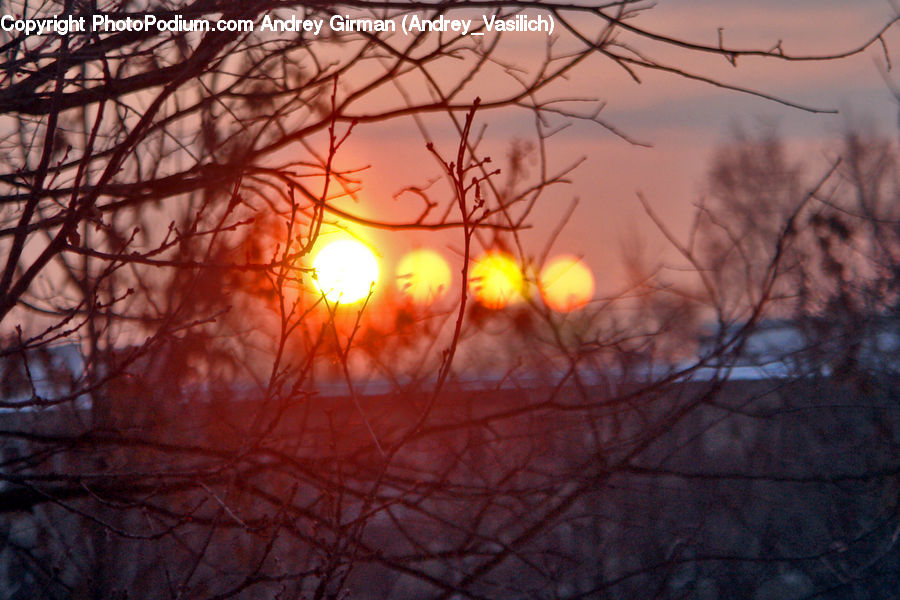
166,432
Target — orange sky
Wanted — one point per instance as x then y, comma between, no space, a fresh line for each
684,121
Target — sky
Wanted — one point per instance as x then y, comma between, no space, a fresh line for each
683,122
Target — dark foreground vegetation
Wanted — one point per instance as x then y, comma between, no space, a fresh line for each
183,417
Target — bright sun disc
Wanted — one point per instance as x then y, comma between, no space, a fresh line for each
345,271
423,276
566,283
496,280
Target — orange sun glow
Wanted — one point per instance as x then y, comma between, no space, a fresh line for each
345,271
423,276
566,283
496,280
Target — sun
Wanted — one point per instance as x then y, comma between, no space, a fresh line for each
566,283
345,271
496,280
423,276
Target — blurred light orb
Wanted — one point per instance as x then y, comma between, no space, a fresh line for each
566,283
496,280
345,271
423,276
